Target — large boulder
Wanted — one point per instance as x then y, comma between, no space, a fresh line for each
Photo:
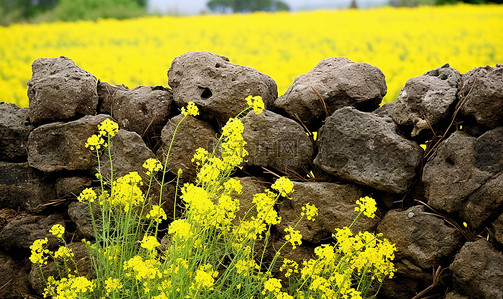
129,152
60,90
498,229
420,237
332,84
14,129
276,141
427,101
144,109
217,86
477,271
336,208
71,186
364,148
24,187
61,146
20,233
465,176
191,135
481,95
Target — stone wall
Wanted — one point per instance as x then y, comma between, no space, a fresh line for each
440,203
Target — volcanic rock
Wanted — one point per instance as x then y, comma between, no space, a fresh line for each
217,86
60,90
364,148
332,84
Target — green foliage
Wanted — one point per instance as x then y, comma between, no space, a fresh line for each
68,10
247,6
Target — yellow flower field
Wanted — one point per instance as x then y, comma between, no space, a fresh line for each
402,42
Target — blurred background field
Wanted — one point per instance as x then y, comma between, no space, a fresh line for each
403,42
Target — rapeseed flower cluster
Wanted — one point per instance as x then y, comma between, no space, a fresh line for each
107,129
208,251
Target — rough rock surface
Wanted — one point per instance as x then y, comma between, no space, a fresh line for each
14,278
498,229
420,237
336,208
60,90
20,233
217,86
71,186
14,129
276,141
61,146
129,152
426,101
364,148
332,84
144,109
454,295
191,135
79,213
409,279
386,110
465,176
477,270
23,186
481,95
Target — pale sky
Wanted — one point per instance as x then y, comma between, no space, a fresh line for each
191,7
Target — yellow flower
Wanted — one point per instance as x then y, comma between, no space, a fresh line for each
205,277
309,211
367,206
190,110
245,266
112,284
272,285
152,166
57,230
293,236
39,252
108,127
63,252
180,228
255,103
149,242
95,142
290,267
156,214
87,196
284,186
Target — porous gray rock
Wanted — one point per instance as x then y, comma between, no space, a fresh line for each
426,101
144,109
363,147
21,233
477,271
276,141
481,95
81,215
60,90
129,152
454,295
217,86
386,110
23,187
71,185
336,208
61,146
465,176
420,237
191,135
332,84
409,279
14,129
